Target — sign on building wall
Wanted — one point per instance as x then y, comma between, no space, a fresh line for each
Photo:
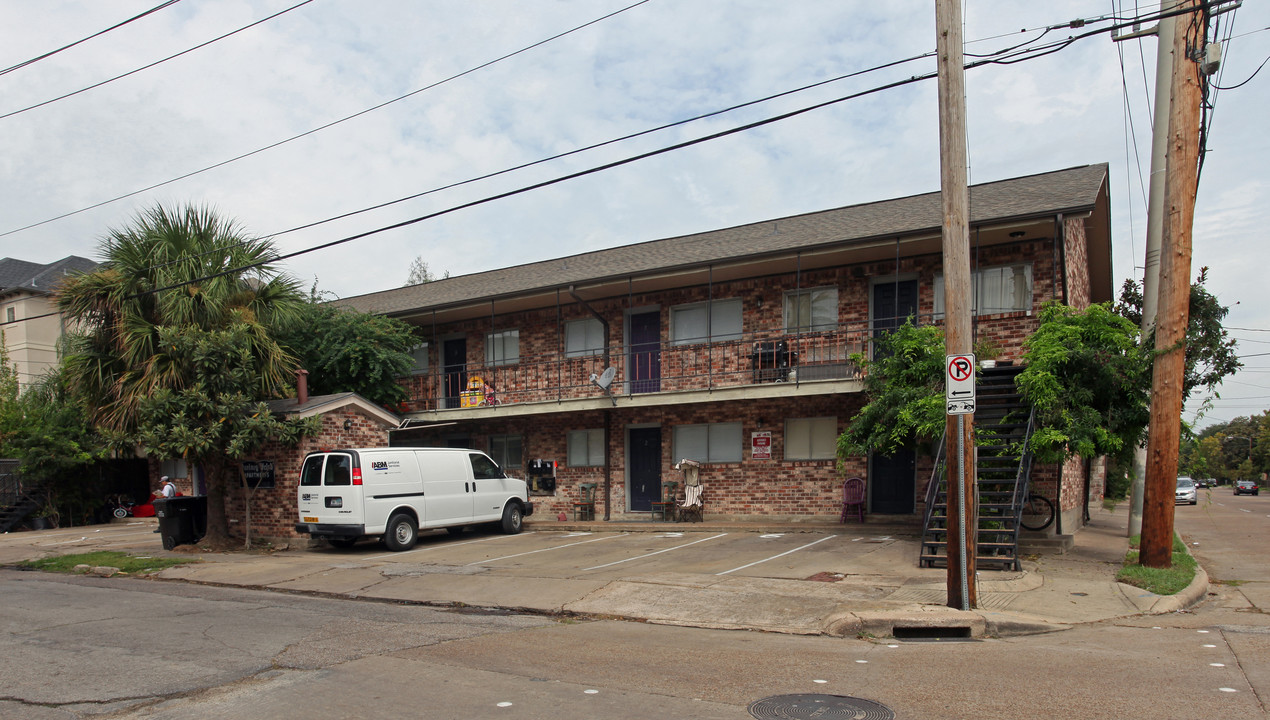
259,473
761,446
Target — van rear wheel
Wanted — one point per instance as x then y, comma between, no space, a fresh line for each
513,519
401,532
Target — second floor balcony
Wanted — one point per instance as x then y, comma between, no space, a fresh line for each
745,365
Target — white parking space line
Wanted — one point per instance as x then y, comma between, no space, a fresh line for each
557,547
446,545
787,552
658,552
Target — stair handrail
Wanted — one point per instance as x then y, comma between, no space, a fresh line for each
1024,475
932,488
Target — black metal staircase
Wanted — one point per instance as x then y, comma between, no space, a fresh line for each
1003,431
18,497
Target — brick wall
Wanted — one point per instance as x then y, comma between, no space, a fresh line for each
273,510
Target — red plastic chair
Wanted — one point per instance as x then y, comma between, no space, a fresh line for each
852,499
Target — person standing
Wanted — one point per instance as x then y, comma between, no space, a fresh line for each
166,488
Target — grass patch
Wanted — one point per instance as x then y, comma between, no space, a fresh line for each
1161,581
108,558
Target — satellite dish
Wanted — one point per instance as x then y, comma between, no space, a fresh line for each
604,379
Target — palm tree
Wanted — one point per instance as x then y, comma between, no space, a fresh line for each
182,268
179,268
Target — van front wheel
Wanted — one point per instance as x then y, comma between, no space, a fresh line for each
513,519
401,532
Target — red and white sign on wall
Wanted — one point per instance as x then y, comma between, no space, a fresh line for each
761,446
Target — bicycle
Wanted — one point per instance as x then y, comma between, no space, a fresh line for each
1038,513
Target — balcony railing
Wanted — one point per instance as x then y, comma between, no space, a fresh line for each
750,359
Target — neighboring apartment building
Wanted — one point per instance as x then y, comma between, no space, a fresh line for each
29,318
732,347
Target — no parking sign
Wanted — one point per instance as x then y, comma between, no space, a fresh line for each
959,384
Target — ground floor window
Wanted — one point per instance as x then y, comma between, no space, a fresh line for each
586,448
811,438
506,451
713,443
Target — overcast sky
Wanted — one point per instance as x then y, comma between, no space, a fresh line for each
656,63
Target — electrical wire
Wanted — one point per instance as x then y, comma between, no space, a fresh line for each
156,62
331,124
1011,58
116,26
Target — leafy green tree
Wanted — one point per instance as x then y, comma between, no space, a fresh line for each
215,418
349,351
45,429
1210,352
177,268
904,384
185,269
1088,381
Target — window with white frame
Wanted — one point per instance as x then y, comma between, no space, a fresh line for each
713,321
811,438
506,451
586,448
583,337
502,348
420,355
1000,289
10,314
713,443
812,310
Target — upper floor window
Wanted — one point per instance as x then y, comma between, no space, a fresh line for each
10,314
811,310
583,337
502,348
420,355
1001,289
713,321
811,438
713,443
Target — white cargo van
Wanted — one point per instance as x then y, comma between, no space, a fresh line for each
394,492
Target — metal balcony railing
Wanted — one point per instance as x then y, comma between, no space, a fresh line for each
748,359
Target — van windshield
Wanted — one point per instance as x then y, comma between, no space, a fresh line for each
311,473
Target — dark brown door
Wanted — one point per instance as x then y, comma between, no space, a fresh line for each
644,355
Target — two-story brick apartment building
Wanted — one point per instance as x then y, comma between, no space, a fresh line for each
731,347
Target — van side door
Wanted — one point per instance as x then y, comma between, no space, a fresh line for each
489,485
447,488
390,479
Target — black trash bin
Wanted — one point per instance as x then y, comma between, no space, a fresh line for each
182,520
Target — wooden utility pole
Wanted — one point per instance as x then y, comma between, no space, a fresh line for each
962,500
1181,181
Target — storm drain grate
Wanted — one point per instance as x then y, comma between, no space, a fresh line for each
797,707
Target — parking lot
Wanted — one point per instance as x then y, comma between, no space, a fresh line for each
564,554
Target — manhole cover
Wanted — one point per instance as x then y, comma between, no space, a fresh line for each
796,707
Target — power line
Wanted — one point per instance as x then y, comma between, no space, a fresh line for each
116,26
1012,56
321,127
156,62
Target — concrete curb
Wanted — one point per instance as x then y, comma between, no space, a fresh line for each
1185,598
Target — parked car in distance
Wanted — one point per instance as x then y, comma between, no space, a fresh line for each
1206,483
1186,492
1246,487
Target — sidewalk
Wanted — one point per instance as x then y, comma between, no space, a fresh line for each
883,594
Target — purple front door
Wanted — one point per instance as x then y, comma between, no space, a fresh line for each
644,354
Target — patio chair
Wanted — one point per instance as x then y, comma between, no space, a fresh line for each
852,499
584,506
693,506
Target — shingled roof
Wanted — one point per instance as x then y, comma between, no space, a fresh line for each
1064,191
32,277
